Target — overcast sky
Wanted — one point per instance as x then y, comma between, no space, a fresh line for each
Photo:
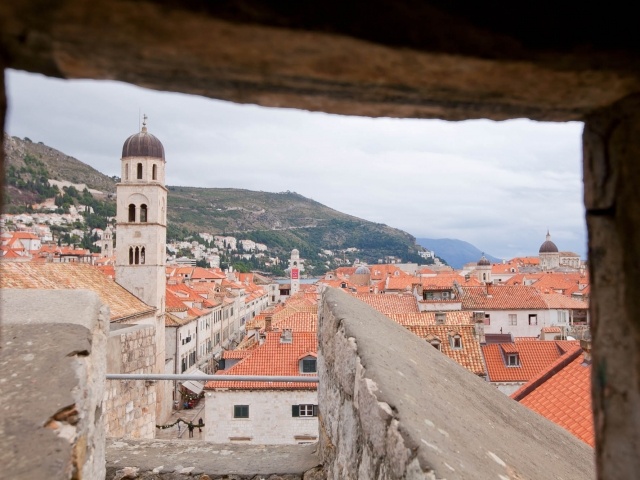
497,185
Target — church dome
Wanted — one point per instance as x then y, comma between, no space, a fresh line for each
362,270
548,246
143,144
483,262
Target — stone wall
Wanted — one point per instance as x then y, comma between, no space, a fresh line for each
52,370
129,405
392,406
270,419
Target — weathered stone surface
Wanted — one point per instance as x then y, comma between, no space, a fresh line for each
612,176
396,58
216,460
52,368
439,420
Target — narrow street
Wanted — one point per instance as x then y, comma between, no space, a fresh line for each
188,415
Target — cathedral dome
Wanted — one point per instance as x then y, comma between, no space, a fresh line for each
362,270
483,262
548,246
143,144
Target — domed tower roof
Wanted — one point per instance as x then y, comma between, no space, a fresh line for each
548,246
143,144
362,270
483,262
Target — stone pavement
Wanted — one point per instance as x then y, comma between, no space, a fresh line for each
188,415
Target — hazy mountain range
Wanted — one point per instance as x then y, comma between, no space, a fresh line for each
455,252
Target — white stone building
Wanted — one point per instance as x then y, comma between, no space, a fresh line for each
267,412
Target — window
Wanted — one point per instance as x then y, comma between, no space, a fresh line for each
562,316
456,342
154,173
304,410
132,213
126,171
513,319
137,256
512,360
142,255
143,213
436,344
139,176
533,319
308,365
487,319
130,255
241,411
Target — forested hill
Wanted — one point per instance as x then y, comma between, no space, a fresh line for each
282,221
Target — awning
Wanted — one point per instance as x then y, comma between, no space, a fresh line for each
192,385
195,387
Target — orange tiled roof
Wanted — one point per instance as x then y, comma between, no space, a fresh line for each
122,304
469,356
456,317
562,393
404,282
556,300
502,297
390,303
534,356
272,358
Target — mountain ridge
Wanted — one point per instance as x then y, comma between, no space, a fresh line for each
456,252
283,220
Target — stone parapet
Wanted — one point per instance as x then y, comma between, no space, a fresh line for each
178,459
52,375
393,407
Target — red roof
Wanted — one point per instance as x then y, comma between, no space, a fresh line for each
562,393
272,358
468,355
390,303
533,357
502,297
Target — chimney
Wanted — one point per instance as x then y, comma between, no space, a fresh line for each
286,336
586,350
267,322
440,318
479,329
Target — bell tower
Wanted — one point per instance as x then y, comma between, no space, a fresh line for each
141,234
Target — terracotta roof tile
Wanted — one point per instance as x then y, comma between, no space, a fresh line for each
272,358
469,356
390,303
534,356
122,304
562,393
502,297
429,318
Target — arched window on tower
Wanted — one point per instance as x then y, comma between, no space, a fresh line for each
139,171
142,255
130,255
143,213
154,172
126,171
137,256
132,212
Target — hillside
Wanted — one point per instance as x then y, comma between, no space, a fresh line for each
455,252
283,220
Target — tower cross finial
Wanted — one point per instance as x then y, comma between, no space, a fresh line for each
144,122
